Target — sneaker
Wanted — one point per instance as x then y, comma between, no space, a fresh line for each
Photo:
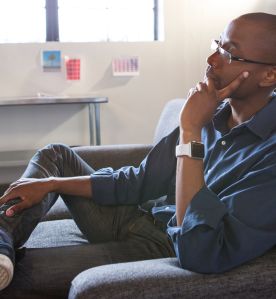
6,271
6,259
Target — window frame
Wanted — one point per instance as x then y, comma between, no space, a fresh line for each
52,27
52,24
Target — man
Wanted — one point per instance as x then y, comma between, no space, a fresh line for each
222,212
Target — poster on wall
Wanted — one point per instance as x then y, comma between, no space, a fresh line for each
125,66
73,68
51,60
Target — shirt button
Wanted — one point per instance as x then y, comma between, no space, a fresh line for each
223,142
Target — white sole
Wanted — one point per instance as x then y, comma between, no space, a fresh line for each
6,271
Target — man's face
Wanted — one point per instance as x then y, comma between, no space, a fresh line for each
242,39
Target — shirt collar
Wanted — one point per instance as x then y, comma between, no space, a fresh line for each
221,117
262,124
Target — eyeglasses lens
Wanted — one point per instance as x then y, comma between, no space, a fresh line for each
217,48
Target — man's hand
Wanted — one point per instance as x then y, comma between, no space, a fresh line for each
29,191
32,191
202,103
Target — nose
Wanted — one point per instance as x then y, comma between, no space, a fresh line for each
213,59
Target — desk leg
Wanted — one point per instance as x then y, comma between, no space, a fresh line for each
94,121
97,123
91,123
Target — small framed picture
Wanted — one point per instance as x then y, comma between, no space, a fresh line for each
51,60
125,66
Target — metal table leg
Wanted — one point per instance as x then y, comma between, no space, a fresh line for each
94,122
91,123
97,123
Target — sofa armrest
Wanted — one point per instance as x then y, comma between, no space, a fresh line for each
164,278
114,156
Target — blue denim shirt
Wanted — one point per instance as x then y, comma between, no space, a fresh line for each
232,219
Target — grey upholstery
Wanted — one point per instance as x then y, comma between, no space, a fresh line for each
168,120
58,240
163,278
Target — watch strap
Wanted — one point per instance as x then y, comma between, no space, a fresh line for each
192,149
183,150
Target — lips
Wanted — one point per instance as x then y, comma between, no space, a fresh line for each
210,75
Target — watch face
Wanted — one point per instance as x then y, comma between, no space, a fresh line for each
197,150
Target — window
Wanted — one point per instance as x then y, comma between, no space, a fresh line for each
22,21
79,20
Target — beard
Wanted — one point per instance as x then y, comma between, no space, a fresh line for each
221,82
209,74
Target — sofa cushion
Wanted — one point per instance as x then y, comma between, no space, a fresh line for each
163,278
53,255
46,273
56,233
114,156
58,211
169,119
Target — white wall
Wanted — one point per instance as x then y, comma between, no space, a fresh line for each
168,70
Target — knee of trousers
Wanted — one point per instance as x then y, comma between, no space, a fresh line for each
55,152
55,149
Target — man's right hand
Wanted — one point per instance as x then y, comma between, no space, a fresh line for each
29,191
32,191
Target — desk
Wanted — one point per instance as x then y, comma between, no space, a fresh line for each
92,102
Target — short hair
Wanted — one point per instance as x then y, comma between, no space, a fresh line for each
268,22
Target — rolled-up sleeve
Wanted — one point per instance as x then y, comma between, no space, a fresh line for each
218,234
135,185
113,187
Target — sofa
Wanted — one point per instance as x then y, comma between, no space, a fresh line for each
57,240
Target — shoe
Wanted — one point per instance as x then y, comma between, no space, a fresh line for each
6,271
6,259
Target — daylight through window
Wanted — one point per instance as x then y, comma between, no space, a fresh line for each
79,20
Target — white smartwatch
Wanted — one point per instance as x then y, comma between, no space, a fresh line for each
192,149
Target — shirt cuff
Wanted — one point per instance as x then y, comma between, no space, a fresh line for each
103,186
204,209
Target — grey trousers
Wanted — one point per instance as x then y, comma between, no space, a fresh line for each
118,234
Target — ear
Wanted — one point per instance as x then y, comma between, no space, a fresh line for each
269,78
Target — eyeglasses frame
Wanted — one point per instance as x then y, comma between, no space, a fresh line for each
215,45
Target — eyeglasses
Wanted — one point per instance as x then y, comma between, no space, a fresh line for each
215,45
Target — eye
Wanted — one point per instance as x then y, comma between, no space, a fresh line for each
224,47
227,46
